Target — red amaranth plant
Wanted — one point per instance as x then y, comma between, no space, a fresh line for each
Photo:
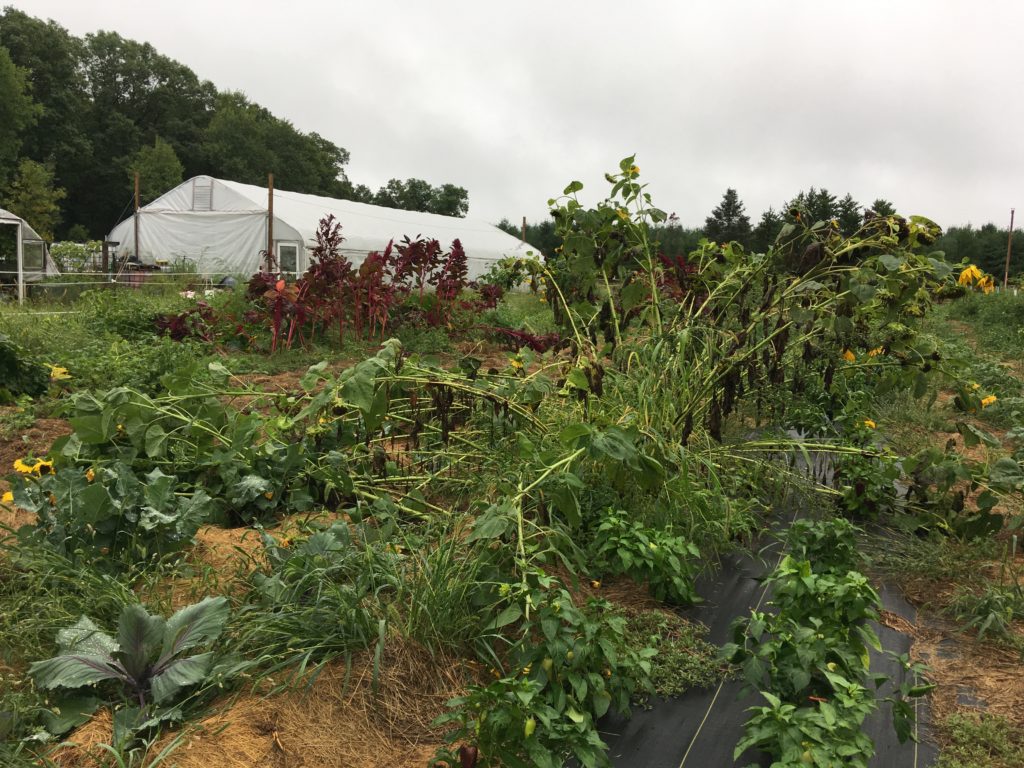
538,342
327,284
416,259
677,275
449,282
194,323
490,295
374,292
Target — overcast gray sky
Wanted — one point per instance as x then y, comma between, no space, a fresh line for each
915,101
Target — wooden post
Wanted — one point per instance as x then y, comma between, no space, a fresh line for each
270,222
1009,247
137,216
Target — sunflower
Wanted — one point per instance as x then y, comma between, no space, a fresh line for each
969,276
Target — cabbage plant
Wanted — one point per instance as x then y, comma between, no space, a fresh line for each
148,660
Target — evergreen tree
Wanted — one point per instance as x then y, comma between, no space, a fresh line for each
727,221
822,205
848,215
541,236
34,197
766,231
882,207
673,239
815,205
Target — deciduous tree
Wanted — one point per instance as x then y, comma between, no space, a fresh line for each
17,112
159,169
34,198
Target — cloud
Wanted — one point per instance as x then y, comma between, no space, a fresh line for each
915,101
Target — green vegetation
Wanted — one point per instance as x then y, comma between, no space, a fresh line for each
479,479
684,660
981,741
147,662
809,660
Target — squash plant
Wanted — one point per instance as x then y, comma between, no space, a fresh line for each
108,514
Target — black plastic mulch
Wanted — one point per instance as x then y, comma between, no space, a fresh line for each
700,728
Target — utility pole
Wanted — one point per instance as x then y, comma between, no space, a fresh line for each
524,229
270,222
1009,247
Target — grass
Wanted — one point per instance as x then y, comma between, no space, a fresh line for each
973,584
685,659
996,320
920,565
980,741
523,310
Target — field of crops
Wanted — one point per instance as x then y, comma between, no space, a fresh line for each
385,517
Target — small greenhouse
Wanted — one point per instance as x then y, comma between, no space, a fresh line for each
23,254
216,226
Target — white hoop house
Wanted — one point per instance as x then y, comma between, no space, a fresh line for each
220,227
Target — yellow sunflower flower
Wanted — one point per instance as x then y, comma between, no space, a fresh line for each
869,424
876,352
987,401
969,276
7,498
57,373
848,356
25,469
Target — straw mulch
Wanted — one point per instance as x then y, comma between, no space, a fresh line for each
334,720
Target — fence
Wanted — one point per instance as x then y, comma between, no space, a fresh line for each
69,286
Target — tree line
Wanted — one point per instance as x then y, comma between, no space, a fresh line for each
79,116
729,222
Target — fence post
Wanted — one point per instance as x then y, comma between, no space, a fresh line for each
21,265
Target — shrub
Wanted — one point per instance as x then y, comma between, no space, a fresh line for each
19,373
